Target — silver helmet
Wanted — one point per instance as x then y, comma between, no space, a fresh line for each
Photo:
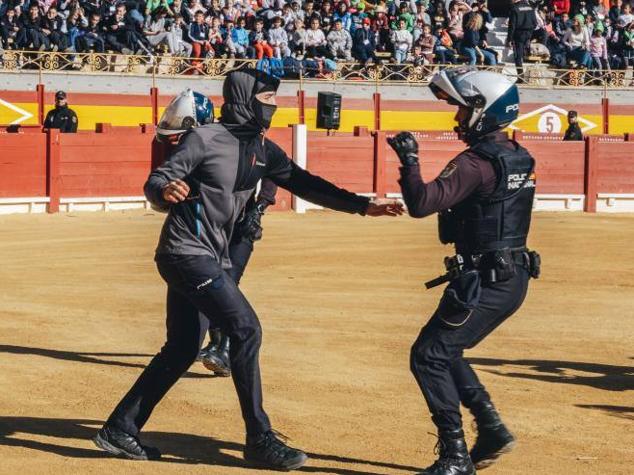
188,109
493,98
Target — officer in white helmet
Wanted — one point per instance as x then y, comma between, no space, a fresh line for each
187,110
483,199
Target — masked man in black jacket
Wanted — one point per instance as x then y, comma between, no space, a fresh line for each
206,184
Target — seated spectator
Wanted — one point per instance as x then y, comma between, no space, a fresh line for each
626,15
9,28
326,11
75,23
298,39
91,37
381,25
198,36
216,39
364,43
561,6
562,24
54,26
444,52
259,40
405,15
278,39
439,17
118,33
615,11
155,29
577,41
427,43
316,45
454,22
340,42
471,43
31,35
402,40
178,31
342,14
239,40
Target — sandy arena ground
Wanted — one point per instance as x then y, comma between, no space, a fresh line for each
341,299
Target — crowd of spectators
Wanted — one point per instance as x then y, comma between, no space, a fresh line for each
590,34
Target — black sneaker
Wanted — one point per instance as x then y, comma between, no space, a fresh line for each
123,444
268,451
453,456
491,443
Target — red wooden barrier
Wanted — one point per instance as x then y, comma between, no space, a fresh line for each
22,165
347,161
104,164
559,166
615,167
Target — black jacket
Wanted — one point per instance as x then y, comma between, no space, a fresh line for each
573,132
521,18
62,118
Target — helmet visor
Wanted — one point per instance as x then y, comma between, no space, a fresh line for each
443,88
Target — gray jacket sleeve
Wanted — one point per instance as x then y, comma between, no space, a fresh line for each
180,164
283,172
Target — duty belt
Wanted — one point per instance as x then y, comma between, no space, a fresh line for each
458,264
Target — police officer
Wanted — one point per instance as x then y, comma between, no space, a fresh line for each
61,117
206,184
573,132
484,198
522,23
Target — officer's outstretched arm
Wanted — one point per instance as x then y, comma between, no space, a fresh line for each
166,184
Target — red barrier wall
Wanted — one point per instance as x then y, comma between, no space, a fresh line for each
116,161
347,161
104,164
615,167
22,165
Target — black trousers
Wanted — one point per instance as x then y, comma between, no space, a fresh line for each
521,42
444,376
240,251
197,284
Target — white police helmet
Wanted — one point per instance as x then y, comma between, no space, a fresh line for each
493,98
187,110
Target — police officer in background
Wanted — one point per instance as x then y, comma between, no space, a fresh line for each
484,198
573,132
61,117
522,23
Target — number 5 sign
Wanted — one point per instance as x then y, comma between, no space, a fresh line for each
549,119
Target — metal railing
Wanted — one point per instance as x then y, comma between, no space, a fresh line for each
535,74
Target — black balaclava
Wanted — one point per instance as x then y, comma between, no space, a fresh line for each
242,114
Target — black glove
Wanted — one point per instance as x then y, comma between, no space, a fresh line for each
249,227
406,147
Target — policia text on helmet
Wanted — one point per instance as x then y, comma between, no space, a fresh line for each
484,199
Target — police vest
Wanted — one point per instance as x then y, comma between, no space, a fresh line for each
502,220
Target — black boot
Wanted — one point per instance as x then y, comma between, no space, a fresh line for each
493,440
123,444
453,456
214,341
268,451
216,358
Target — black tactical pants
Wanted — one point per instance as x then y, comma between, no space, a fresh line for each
444,376
198,284
521,42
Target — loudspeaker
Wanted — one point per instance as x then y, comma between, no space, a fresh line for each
328,110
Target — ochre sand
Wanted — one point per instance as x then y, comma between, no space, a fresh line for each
341,299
